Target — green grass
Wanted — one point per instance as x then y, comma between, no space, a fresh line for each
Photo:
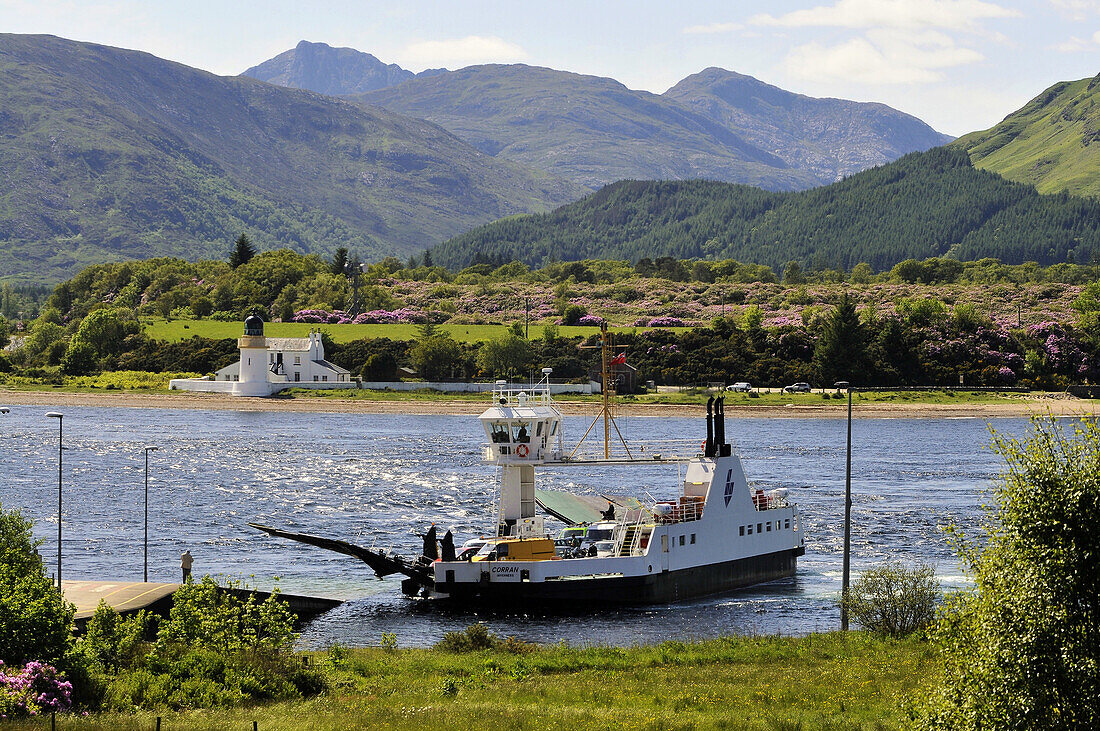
833,681
174,330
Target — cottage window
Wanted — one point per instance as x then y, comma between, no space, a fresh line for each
297,360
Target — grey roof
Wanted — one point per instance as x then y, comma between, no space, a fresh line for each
284,344
332,366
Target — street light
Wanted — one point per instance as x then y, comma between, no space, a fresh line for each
60,419
847,515
146,553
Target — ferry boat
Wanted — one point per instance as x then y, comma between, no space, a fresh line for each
715,536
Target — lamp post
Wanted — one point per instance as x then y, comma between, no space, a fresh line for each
847,515
60,419
145,575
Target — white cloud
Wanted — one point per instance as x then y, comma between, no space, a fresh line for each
1073,44
712,28
948,14
1076,9
882,56
458,52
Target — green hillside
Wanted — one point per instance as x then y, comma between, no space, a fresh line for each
923,205
1053,142
110,155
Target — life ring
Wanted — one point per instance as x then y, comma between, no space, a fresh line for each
522,450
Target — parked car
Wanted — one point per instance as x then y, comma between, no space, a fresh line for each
799,387
742,386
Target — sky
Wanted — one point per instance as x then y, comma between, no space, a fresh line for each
960,65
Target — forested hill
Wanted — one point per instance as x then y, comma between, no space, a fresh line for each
1052,142
110,154
923,205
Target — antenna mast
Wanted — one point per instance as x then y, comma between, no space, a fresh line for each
606,389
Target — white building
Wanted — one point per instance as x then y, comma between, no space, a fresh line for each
268,365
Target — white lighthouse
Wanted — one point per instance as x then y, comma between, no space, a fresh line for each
253,373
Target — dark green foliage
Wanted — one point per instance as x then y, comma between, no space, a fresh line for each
841,350
374,359
438,357
340,261
196,355
214,156
924,205
242,252
1022,648
79,359
34,617
893,599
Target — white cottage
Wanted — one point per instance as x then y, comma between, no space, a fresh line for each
268,365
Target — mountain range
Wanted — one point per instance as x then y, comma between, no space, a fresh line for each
715,124
108,154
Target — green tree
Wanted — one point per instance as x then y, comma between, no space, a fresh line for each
1022,647
436,357
79,359
861,273
34,618
841,351
792,273
340,261
104,330
43,335
242,253
506,356
9,301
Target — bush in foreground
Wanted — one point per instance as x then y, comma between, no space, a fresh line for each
1022,648
895,600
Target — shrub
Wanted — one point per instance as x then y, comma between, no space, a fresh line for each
893,599
34,617
473,638
1021,648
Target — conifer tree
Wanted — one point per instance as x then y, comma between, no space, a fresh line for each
841,351
243,253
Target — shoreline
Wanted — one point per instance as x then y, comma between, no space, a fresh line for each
221,402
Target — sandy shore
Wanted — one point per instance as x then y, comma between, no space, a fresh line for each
801,407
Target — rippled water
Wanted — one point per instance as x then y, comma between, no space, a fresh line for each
375,479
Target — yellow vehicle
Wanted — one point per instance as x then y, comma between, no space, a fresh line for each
516,549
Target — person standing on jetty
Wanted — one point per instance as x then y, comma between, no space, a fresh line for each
185,564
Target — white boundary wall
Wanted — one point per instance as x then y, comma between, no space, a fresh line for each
206,385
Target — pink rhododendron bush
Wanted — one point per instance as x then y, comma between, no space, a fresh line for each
32,690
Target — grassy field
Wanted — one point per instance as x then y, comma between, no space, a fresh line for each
174,330
832,681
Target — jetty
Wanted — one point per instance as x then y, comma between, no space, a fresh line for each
128,597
